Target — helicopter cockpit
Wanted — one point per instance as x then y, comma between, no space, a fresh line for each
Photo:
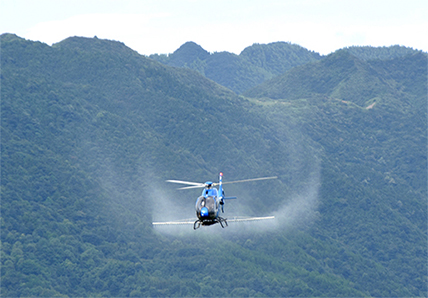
206,207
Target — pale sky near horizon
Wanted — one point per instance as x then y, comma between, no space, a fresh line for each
162,26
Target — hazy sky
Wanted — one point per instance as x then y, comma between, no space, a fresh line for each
161,26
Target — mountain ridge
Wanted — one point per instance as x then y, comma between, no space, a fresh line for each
239,72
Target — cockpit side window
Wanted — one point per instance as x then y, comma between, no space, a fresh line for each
199,202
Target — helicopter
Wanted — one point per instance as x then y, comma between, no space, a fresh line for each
211,201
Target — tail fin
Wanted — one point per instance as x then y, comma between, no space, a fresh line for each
220,181
220,191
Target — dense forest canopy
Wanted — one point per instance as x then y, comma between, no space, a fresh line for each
90,130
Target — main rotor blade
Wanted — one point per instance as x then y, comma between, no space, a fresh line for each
190,187
248,180
186,182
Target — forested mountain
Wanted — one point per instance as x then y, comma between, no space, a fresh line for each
91,129
254,65
370,118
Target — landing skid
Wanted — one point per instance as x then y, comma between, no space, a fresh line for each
222,221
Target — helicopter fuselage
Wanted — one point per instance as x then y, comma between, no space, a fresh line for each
208,205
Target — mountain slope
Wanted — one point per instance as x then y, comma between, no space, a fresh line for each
343,76
370,118
91,129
